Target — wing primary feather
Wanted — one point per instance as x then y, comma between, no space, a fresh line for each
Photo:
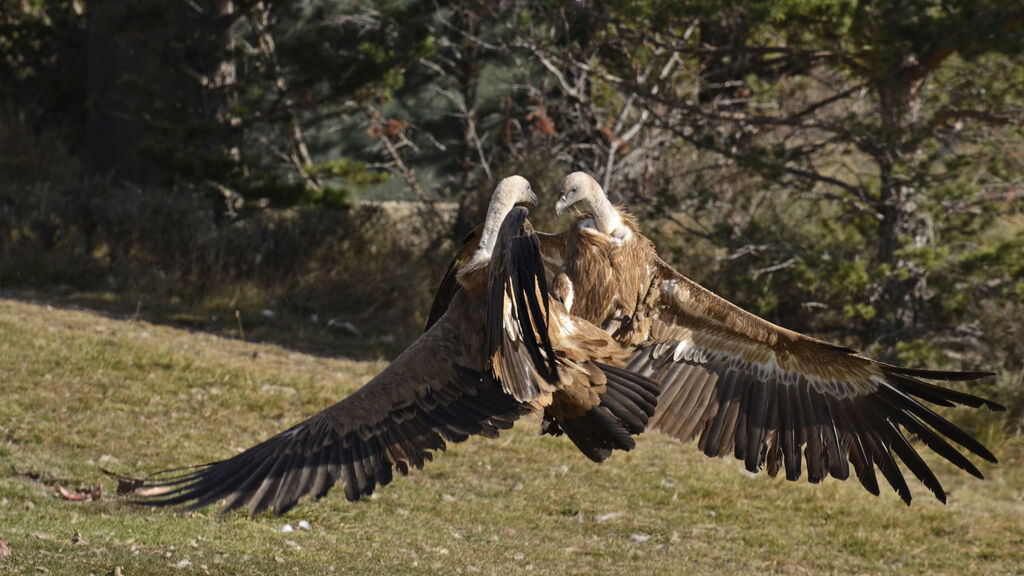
276,497
325,477
938,394
773,435
742,420
261,499
945,375
913,460
517,269
533,287
703,407
836,461
363,476
304,483
861,457
242,494
757,411
709,440
348,469
449,283
788,423
234,478
899,400
937,444
882,453
381,465
814,450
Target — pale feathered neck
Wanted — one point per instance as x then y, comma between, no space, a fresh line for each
607,219
496,213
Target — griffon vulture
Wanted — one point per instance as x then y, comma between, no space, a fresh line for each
487,361
742,385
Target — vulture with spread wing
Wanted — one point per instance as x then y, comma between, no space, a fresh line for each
487,360
741,385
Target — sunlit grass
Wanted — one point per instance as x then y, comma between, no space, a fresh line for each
81,392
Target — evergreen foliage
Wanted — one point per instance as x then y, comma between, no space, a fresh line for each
850,169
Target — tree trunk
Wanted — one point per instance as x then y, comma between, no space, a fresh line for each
903,291
219,74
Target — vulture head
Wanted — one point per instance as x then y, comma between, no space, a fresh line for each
509,192
580,187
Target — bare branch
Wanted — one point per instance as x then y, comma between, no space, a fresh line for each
400,166
300,157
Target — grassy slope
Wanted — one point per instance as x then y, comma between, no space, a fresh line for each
80,391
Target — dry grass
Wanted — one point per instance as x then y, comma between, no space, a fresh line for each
81,391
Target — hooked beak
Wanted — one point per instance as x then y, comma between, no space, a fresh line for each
560,206
532,200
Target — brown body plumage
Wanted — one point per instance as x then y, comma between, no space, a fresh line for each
614,270
741,385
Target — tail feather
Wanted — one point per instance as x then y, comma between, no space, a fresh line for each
596,433
624,409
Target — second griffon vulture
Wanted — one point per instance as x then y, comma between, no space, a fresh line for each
488,360
741,385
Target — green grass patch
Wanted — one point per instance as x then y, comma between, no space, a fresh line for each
82,391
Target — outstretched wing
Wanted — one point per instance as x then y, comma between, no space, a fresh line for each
437,391
742,385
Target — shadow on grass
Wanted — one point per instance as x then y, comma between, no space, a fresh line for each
239,318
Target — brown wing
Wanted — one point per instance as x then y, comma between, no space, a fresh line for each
552,250
517,308
742,385
437,391
449,284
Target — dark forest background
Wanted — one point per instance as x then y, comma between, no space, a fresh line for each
302,171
